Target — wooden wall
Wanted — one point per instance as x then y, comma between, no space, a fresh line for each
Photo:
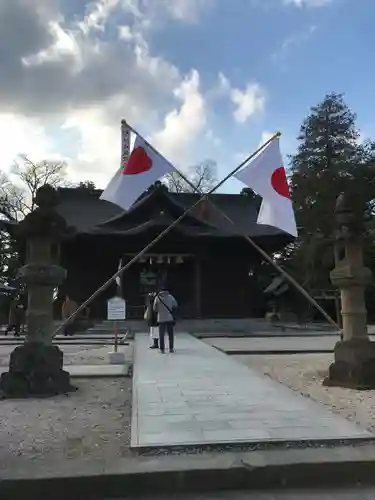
226,290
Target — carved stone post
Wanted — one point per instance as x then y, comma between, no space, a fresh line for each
36,367
354,364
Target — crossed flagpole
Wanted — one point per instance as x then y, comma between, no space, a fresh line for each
256,247
204,196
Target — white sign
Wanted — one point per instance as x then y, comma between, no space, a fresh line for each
116,308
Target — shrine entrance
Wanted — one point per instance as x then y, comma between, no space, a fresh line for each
176,271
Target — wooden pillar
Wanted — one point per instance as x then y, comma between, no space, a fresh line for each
197,287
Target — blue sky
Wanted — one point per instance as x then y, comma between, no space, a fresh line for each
180,73
296,54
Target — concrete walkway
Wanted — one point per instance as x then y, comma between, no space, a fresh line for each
200,396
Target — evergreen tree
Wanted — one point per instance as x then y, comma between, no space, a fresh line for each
326,154
328,161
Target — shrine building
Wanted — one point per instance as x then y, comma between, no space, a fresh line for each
211,270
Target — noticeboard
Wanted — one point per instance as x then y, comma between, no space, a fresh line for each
116,309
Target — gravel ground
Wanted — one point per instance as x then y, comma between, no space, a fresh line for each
93,424
304,373
90,424
67,432
89,355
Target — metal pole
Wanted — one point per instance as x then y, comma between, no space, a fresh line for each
264,254
115,334
160,236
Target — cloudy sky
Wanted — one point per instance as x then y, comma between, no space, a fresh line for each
199,78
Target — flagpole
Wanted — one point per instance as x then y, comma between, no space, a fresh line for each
124,123
287,276
265,255
163,233
284,273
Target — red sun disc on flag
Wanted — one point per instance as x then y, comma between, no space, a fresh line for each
280,183
138,163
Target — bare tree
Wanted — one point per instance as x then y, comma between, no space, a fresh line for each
11,198
202,176
17,198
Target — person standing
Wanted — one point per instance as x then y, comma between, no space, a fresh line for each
68,308
165,306
151,318
21,313
16,316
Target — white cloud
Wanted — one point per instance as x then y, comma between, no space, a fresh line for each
98,152
80,85
308,3
126,33
63,46
187,10
248,102
210,136
22,136
98,14
183,125
223,87
158,11
292,42
75,77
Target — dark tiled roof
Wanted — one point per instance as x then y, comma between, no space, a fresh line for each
86,213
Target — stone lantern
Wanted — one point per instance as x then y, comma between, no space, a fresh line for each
36,367
354,364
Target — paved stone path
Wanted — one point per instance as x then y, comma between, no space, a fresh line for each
199,395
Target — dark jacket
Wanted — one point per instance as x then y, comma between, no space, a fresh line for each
152,316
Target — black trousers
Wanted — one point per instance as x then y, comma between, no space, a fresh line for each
15,326
69,329
169,328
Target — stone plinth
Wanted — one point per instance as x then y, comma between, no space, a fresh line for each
354,364
36,368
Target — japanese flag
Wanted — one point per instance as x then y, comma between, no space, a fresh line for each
138,171
266,176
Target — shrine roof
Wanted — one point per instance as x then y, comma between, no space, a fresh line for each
87,214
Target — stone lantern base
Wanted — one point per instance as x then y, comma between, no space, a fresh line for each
35,369
354,365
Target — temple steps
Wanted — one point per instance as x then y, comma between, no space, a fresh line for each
218,327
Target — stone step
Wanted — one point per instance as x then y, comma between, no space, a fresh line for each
197,324
241,326
163,475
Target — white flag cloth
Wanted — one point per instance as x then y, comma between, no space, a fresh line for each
266,176
143,167
118,278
